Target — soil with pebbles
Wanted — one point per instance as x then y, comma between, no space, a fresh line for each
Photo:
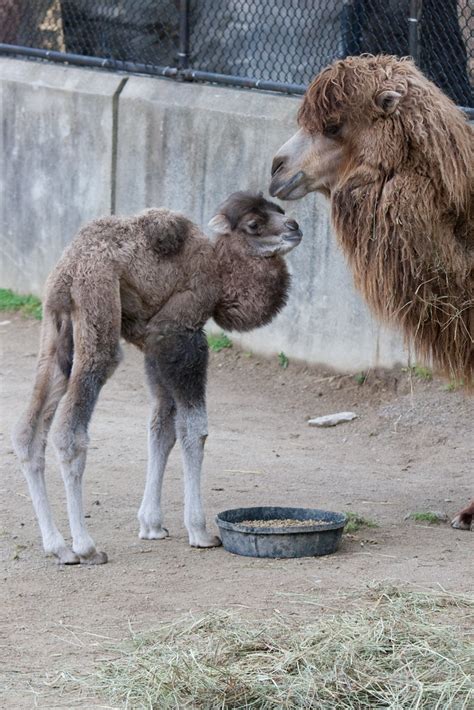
410,450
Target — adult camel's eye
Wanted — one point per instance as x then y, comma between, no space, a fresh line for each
332,129
252,225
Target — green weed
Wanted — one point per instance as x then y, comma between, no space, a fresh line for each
355,522
422,373
218,342
453,385
427,517
26,305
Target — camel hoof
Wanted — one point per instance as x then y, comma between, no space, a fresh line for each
206,541
153,533
67,557
96,558
461,522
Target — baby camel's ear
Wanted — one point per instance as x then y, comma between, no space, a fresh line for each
220,224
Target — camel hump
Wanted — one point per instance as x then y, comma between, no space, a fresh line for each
165,231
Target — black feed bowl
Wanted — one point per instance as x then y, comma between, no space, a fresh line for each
292,541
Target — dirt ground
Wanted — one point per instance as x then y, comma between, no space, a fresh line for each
411,449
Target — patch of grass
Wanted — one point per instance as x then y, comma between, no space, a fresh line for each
422,373
355,522
389,649
218,342
426,517
27,305
360,378
454,385
283,360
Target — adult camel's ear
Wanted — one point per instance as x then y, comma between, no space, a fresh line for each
387,101
220,224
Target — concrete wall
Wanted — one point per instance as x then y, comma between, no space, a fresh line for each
80,143
56,151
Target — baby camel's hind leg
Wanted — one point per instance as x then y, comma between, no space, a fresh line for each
96,355
31,432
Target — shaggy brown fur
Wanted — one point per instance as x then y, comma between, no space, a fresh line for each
266,285
403,206
158,266
154,279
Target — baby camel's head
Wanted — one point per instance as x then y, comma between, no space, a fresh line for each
253,289
261,224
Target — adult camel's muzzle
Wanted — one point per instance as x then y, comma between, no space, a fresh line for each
287,175
281,186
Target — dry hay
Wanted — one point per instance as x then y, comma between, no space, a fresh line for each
401,650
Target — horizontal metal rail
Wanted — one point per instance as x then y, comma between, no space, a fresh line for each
197,75
153,69
170,72
82,60
469,111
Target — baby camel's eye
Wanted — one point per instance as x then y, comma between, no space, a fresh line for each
252,225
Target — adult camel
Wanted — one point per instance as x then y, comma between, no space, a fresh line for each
395,158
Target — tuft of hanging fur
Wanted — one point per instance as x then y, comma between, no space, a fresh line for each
253,290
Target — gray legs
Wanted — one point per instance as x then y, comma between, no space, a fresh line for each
74,394
72,460
161,439
29,441
70,439
67,386
176,367
191,425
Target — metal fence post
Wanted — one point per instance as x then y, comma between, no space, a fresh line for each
414,29
183,51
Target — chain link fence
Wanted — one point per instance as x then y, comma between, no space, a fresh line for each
273,44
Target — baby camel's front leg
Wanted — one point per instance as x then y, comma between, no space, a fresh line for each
161,439
191,427
180,355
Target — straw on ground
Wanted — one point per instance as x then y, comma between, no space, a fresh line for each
394,649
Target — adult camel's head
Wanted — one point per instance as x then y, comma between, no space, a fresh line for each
339,117
341,112
370,112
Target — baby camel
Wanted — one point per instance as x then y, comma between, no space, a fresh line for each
153,279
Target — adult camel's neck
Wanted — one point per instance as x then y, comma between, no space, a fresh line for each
412,260
253,289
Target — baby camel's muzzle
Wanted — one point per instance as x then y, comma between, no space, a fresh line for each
295,235
291,240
